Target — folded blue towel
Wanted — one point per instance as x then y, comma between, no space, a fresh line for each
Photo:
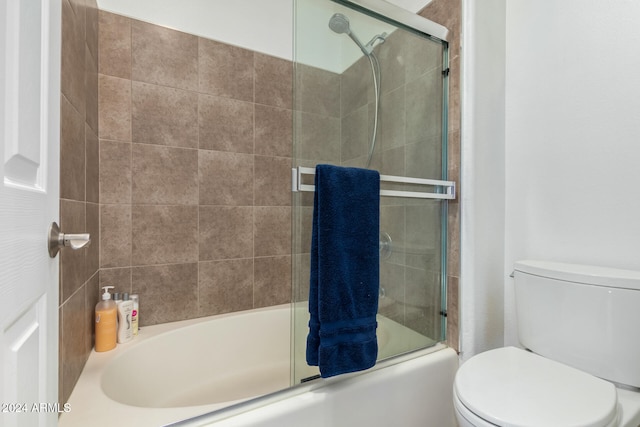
345,270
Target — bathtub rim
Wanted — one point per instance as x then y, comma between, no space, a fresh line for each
299,389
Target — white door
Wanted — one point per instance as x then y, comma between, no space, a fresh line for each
29,202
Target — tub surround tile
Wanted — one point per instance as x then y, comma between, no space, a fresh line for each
225,286
164,234
167,292
273,131
272,181
115,172
92,296
273,81
114,108
120,278
73,348
225,232
79,186
225,178
92,252
164,175
225,124
225,70
73,61
318,138
73,264
163,56
115,45
272,281
92,165
91,92
319,91
115,236
272,230
164,116
72,152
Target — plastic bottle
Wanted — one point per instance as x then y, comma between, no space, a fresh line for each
106,313
134,313
125,328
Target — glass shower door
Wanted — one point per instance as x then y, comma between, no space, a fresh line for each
373,95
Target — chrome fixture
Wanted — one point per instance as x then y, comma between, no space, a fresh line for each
58,240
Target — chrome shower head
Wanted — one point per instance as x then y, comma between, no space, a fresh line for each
339,24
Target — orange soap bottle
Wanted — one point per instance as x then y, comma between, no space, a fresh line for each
106,323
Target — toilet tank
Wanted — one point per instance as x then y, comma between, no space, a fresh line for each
584,316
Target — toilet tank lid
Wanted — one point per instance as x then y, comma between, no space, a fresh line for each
587,274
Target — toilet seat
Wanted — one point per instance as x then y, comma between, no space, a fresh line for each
510,387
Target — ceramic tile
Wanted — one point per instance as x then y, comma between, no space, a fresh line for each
318,91
92,165
73,61
225,178
272,231
164,175
115,45
72,152
163,56
164,234
272,281
225,232
225,70
272,184
114,108
91,91
72,263
115,236
225,124
273,81
164,116
73,349
225,286
167,292
273,131
92,255
115,172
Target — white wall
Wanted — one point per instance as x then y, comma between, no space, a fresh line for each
482,176
572,135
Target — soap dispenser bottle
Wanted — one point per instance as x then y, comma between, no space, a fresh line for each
106,313
125,326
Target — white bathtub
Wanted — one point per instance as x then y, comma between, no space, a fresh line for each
180,370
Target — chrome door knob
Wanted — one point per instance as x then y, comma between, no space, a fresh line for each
58,240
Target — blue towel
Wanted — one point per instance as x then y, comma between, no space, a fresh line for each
345,270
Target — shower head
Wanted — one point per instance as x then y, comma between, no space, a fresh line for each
339,24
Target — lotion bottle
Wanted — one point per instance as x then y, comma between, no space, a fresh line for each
134,314
106,313
125,326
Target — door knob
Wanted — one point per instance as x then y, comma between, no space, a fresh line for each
58,240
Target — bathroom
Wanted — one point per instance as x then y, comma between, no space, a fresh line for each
530,100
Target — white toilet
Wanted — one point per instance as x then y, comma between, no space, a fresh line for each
582,327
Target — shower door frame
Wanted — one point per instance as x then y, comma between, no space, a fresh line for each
426,29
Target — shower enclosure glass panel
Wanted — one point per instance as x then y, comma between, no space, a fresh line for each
370,94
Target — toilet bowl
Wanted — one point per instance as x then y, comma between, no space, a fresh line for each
582,363
513,387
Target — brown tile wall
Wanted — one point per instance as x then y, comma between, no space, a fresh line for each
79,198
195,157
449,14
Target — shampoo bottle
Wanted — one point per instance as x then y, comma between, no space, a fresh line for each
134,313
106,313
125,328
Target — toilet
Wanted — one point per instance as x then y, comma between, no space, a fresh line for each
579,327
